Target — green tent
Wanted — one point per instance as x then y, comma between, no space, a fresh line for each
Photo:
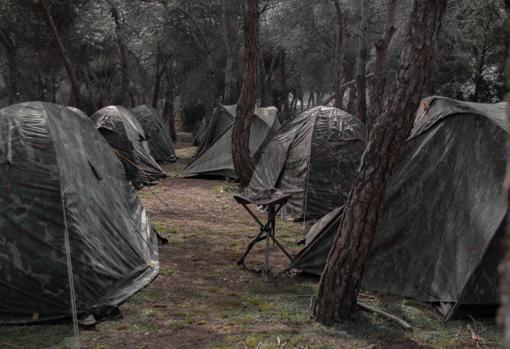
440,234
66,206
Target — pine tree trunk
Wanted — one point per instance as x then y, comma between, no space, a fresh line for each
59,46
381,54
361,63
340,281
339,54
243,162
504,268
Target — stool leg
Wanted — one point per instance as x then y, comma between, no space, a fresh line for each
250,246
270,233
266,255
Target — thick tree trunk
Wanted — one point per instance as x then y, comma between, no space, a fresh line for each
243,162
59,46
381,54
361,62
125,95
340,281
339,54
504,268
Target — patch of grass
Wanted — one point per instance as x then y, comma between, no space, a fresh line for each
36,336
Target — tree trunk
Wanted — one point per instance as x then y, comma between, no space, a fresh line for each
59,46
168,108
157,81
126,96
504,268
340,281
230,91
381,54
361,63
10,48
13,78
351,103
339,54
285,89
243,162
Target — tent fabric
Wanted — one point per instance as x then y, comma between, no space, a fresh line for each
222,119
79,112
60,179
215,159
158,133
314,158
439,236
129,142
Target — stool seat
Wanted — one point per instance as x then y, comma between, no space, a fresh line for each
263,198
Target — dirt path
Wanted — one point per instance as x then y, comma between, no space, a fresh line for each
202,299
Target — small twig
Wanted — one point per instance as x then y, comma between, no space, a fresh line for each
398,320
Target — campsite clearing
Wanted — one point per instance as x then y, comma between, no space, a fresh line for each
202,299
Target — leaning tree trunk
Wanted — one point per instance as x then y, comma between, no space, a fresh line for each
381,57
243,162
504,311
59,46
361,63
340,281
339,54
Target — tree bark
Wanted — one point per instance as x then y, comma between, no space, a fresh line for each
381,54
339,54
125,96
340,281
243,162
61,51
361,63
504,268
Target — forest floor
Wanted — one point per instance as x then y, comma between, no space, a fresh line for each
202,299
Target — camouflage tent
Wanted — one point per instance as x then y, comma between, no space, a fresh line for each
64,198
314,158
127,138
215,158
439,237
157,132
222,118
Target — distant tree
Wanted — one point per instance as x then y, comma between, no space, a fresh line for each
380,66
243,162
339,54
61,51
361,61
341,279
